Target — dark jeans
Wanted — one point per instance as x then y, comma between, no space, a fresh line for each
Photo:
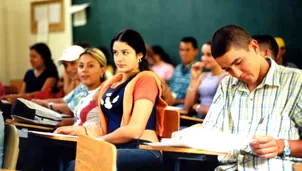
37,153
130,157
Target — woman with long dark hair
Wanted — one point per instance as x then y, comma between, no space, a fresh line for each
42,76
131,107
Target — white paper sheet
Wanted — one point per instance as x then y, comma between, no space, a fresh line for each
41,13
174,108
23,133
54,13
42,31
79,18
79,11
78,8
205,139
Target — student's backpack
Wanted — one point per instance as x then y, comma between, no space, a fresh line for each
30,112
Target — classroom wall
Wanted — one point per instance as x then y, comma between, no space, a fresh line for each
17,37
165,22
2,42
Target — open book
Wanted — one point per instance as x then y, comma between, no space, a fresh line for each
206,139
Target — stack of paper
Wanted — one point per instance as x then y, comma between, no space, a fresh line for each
206,139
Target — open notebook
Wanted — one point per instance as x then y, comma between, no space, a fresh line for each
206,139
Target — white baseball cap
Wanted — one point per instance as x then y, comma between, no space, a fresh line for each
71,53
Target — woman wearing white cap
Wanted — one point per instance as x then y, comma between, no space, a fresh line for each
69,59
68,104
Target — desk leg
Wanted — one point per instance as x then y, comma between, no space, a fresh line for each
177,165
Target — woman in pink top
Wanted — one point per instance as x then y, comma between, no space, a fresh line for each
162,63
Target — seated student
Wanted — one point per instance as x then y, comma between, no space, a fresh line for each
267,45
166,92
260,99
44,74
141,119
280,59
162,63
69,60
91,70
70,78
149,56
68,104
181,77
203,86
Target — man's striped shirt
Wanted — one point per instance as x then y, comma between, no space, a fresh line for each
274,108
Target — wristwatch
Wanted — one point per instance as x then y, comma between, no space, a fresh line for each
197,108
49,105
286,150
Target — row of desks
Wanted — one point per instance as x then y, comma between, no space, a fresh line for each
193,153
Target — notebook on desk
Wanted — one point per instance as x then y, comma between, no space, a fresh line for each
23,108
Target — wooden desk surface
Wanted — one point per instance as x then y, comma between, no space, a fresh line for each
298,167
44,128
54,137
181,150
191,118
180,110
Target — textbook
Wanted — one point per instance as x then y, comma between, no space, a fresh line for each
206,139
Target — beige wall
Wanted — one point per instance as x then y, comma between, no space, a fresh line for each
3,59
16,37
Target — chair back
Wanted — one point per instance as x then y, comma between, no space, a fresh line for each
171,123
94,155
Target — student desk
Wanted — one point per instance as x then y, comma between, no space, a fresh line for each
191,118
29,126
298,167
184,150
183,153
180,110
54,137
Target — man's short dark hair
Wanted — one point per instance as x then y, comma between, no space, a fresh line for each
267,42
227,37
191,40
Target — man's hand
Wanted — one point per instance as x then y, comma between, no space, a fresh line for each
267,146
